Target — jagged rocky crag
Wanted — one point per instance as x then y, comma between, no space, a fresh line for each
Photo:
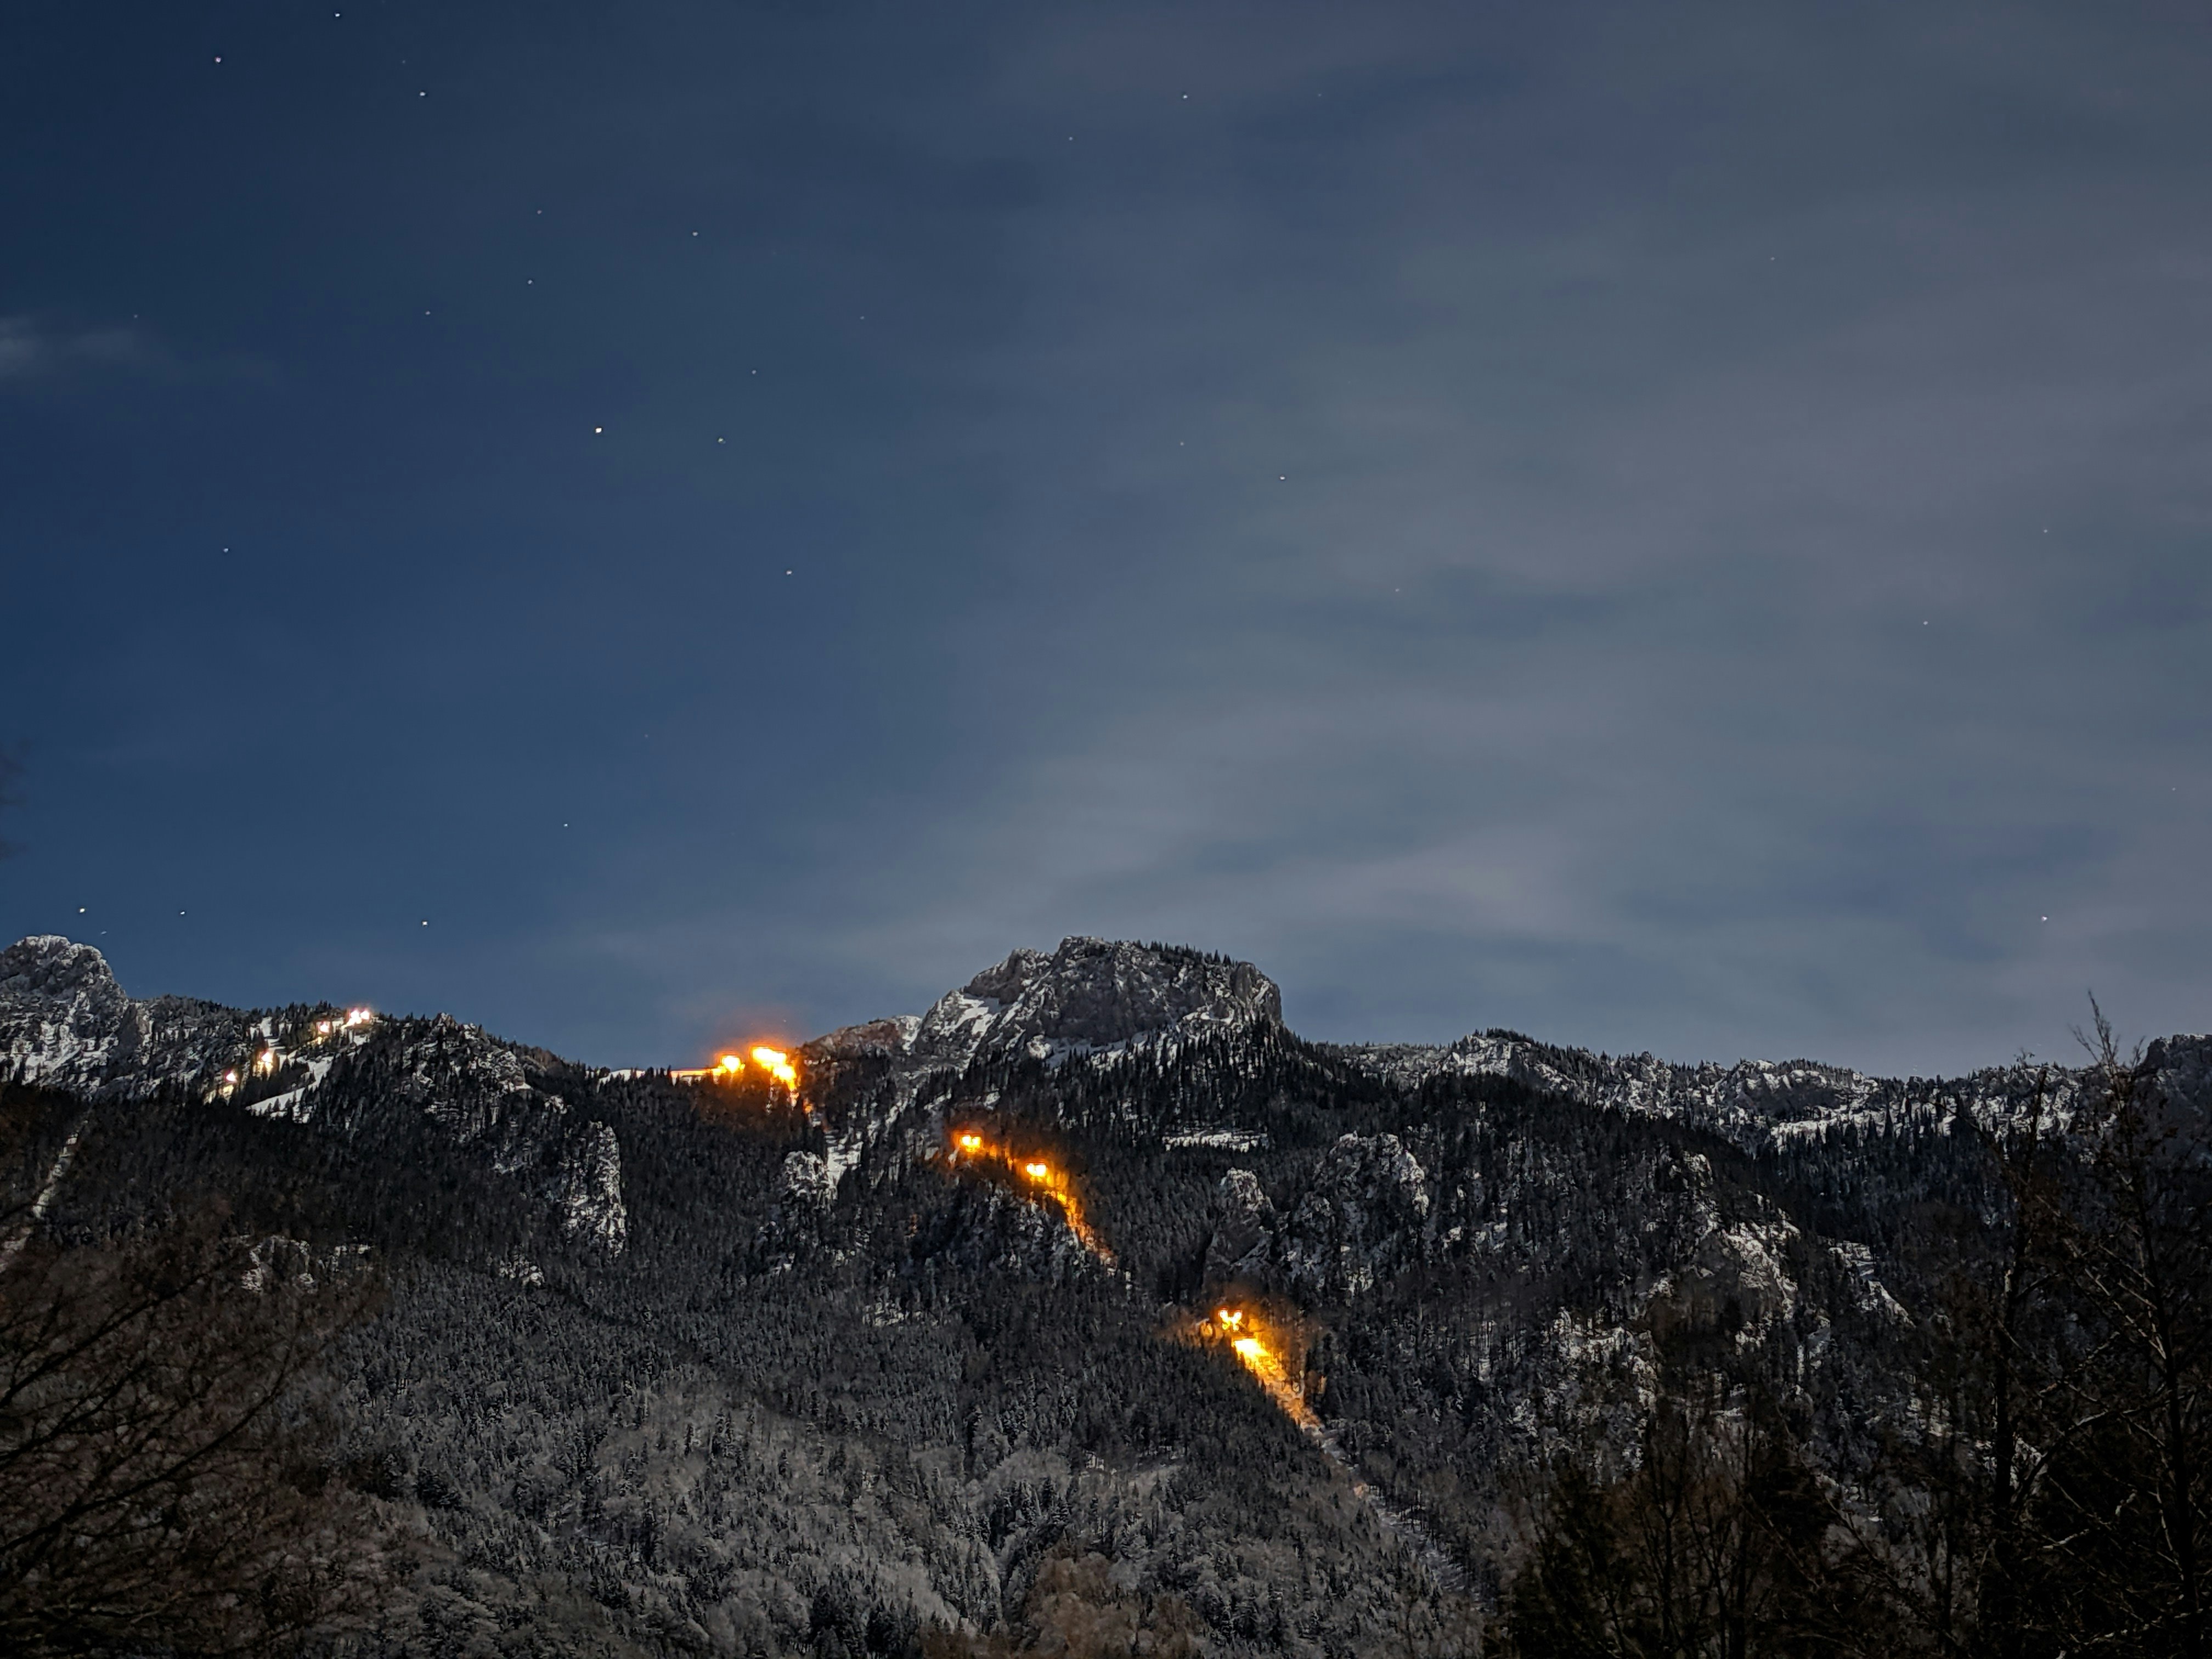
693,1367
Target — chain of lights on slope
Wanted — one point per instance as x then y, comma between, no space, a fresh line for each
1035,1175
1243,1331
1255,1344
271,1055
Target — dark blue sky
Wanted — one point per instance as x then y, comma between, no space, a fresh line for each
1679,527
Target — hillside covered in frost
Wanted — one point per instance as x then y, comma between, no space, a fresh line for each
1090,1286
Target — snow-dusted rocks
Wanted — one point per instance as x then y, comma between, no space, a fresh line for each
1763,1106
1244,1234
66,1023
63,1019
885,1084
1090,996
1363,1215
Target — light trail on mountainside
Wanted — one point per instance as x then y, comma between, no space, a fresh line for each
1258,1343
1038,1176
1247,1336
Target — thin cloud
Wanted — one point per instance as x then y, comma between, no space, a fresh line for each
32,348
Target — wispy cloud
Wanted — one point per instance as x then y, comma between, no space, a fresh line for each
32,349
1721,599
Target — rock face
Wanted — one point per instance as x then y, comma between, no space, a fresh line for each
65,1024
64,1021
1091,996
886,1082
1364,1217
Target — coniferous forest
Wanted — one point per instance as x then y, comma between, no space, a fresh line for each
1127,1324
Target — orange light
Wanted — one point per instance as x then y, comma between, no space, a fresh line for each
777,1063
1269,1372
730,1064
1055,1189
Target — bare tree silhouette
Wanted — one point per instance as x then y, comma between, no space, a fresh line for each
162,1480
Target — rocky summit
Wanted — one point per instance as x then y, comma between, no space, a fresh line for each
1092,1261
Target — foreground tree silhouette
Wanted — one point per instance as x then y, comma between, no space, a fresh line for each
2126,1518
2049,1497
1716,1544
161,1481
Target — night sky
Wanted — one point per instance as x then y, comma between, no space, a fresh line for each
1666,527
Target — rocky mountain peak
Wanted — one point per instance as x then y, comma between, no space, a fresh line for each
51,968
1092,994
63,1019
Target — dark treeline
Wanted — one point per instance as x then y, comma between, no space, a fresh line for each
2048,1491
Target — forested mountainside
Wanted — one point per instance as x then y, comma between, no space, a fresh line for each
1092,1301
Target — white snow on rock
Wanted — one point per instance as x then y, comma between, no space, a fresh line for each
65,1024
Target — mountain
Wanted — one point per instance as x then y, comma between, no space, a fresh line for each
1092,1286
65,1024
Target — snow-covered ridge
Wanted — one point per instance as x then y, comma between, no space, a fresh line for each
1764,1106
1089,999
1093,996
66,1023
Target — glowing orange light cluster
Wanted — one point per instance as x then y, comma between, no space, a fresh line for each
776,1063
728,1067
1037,1173
1266,1369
